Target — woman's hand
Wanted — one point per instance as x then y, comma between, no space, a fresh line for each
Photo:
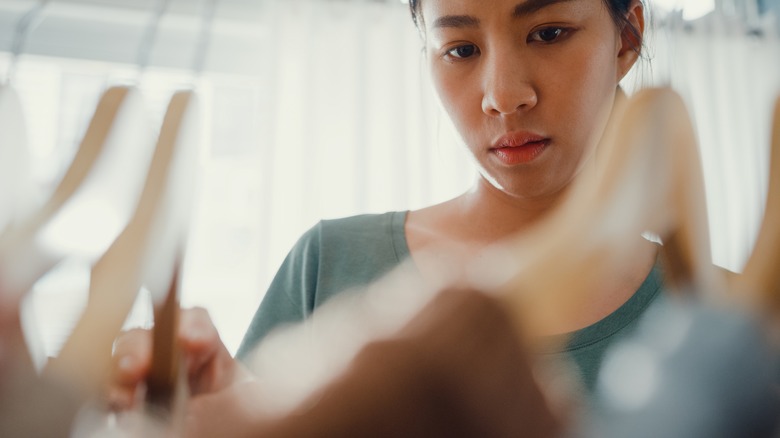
210,367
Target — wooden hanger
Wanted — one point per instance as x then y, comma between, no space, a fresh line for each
760,278
649,180
109,161
114,149
147,252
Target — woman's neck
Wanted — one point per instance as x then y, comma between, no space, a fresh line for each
482,216
486,214
490,214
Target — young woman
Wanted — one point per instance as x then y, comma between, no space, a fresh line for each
529,86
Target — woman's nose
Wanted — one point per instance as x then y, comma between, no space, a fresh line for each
507,87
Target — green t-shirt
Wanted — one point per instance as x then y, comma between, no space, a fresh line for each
340,254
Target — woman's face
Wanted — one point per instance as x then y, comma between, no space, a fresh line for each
527,83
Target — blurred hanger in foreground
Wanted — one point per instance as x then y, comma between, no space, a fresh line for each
93,200
88,207
760,278
695,367
166,385
649,179
145,253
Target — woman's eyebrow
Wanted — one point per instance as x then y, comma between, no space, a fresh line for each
526,8
531,6
456,21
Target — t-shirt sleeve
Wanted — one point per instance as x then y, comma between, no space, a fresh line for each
291,295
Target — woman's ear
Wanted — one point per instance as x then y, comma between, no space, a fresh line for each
631,37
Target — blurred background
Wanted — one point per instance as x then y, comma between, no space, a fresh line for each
321,108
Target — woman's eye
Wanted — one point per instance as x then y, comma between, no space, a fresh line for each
461,52
547,35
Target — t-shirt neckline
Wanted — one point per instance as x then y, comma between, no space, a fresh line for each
594,333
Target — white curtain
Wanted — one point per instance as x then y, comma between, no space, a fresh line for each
341,120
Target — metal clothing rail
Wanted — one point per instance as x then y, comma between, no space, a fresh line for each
112,30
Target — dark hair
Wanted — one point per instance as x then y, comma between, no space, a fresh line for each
617,9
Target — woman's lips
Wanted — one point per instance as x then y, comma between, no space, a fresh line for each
520,154
519,147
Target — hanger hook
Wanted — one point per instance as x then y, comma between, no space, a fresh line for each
24,27
204,39
150,34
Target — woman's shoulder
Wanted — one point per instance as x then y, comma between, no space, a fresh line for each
355,251
363,230
362,223
372,236
359,234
